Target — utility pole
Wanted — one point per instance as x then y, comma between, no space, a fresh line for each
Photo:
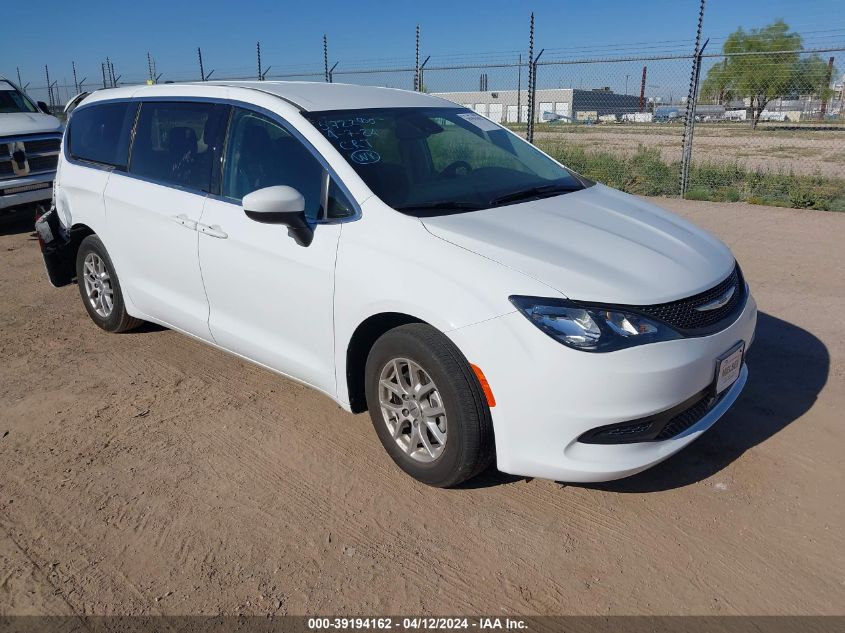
326,57
103,68
258,48
75,83
150,68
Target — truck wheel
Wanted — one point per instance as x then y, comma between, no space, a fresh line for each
100,288
427,406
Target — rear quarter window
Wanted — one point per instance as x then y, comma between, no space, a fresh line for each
100,133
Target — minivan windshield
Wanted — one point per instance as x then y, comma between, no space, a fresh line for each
11,100
433,161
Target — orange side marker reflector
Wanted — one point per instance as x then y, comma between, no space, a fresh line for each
485,386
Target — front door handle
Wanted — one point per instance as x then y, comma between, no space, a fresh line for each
185,221
212,231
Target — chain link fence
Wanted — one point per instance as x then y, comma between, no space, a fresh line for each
766,128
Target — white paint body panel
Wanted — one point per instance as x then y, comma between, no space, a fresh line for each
271,299
294,309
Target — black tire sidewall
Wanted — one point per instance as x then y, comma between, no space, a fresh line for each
113,322
462,412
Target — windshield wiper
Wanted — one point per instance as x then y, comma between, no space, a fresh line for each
534,192
440,205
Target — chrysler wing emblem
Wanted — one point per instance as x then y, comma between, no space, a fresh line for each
718,302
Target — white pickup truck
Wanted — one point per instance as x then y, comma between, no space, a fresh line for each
30,139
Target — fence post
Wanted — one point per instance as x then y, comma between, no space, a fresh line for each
519,90
529,132
75,82
422,74
49,87
533,108
417,81
258,49
326,57
826,87
202,70
692,98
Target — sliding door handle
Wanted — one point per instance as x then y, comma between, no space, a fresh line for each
212,231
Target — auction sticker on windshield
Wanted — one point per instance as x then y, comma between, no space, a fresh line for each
485,125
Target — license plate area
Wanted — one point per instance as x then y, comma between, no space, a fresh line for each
728,368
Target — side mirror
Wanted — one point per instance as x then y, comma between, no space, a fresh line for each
44,107
280,205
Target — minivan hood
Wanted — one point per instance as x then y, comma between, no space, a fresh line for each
597,244
15,123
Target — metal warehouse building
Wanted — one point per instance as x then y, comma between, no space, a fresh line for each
569,104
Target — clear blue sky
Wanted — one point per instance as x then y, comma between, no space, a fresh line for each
54,33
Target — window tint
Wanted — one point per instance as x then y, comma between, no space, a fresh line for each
176,142
100,133
261,153
13,101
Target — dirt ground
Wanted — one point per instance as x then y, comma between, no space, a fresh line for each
146,473
769,148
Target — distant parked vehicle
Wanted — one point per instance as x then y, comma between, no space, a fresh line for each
29,148
407,256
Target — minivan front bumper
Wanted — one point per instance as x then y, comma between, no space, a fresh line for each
548,395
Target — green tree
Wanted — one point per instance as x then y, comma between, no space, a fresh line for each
764,64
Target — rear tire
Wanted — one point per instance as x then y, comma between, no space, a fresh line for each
440,432
100,289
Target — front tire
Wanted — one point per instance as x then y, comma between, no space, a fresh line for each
100,287
427,407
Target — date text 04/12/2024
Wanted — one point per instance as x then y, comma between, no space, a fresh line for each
417,623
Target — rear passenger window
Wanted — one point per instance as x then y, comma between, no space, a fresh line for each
175,143
100,133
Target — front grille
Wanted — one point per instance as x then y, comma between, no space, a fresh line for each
683,316
42,154
43,163
37,164
42,146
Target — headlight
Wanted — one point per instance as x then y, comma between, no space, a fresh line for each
591,328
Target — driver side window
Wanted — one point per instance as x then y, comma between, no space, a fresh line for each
261,153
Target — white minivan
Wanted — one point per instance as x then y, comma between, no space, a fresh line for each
407,256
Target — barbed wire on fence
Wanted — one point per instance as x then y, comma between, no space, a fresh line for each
619,113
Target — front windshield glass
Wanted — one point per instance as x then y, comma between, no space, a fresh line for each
441,160
13,101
